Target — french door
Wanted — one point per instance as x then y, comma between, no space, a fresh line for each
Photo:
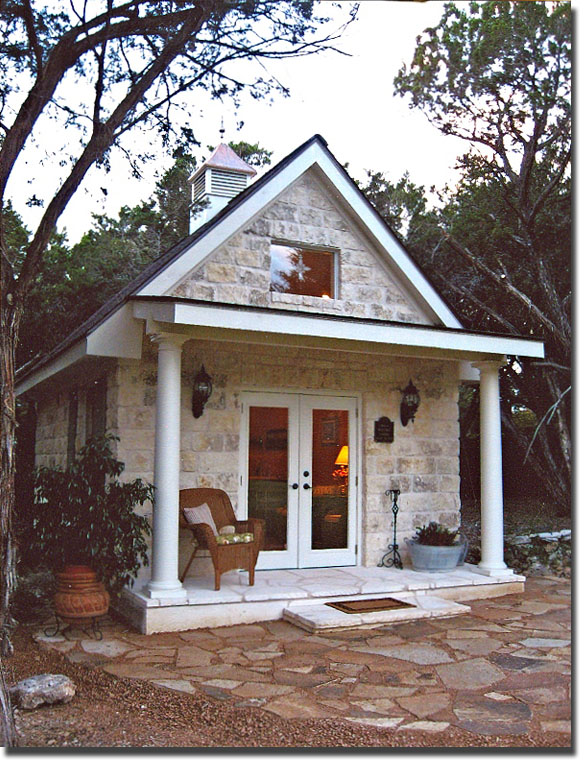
299,475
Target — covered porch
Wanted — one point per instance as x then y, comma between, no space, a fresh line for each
163,603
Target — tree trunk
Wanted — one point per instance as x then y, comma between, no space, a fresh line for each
8,737
10,320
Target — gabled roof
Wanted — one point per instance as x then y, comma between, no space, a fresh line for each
169,268
313,155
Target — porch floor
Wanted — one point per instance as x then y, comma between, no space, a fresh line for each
277,591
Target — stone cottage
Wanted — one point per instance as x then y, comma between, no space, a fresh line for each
310,319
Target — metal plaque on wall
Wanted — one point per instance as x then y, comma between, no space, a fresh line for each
383,432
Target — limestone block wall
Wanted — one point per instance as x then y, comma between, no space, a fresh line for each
51,431
422,462
239,271
52,428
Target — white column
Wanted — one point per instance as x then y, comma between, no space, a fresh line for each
491,469
165,529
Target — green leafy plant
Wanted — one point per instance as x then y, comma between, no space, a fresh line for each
435,534
85,515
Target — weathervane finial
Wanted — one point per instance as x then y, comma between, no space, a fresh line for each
221,131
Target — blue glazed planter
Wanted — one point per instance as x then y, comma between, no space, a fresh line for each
435,558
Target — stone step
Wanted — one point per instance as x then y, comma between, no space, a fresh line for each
317,618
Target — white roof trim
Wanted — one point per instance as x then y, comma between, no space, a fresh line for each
312,155
68,357
307,325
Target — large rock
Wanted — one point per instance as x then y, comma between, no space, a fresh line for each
43,689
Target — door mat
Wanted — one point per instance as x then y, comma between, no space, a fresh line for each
354,607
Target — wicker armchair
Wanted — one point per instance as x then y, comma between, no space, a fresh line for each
225,557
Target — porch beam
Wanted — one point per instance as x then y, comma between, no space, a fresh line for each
492,529
266,323
165,527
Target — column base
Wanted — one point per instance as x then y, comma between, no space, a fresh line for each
493,570
166,590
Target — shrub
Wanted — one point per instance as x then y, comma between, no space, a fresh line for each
435,534
85,515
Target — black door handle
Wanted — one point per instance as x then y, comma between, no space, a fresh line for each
306,486
306,473
294,486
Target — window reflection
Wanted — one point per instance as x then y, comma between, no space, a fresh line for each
295,270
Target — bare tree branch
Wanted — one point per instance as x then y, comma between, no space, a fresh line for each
35,48
507,286
102,138
478,303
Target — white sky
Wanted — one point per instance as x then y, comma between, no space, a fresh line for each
348,100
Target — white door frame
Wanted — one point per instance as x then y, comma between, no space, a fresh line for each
300,406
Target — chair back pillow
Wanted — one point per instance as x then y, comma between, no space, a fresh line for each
202,514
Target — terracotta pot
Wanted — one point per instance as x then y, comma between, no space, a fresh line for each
80,596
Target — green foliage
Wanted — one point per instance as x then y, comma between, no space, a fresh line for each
15,233
84,514
489,67
402,205
77,280
435,534
498,245
252,153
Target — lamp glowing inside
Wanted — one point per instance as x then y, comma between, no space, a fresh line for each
343,456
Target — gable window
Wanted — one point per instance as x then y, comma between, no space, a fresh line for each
301,270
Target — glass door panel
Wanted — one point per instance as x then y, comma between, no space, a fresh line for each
327,501
267,487
269,457
330,478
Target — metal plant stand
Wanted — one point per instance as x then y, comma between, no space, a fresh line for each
392,559
52,631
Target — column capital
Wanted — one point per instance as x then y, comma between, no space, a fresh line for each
168,339
493,364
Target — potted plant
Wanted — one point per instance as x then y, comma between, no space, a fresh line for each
84,527
435,547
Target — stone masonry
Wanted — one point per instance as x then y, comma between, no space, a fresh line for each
422,462
53,420
239,271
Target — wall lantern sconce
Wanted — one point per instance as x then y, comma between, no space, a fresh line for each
202,389
409,404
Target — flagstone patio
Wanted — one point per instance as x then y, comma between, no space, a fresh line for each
502,668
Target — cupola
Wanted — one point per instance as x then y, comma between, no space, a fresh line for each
218,180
